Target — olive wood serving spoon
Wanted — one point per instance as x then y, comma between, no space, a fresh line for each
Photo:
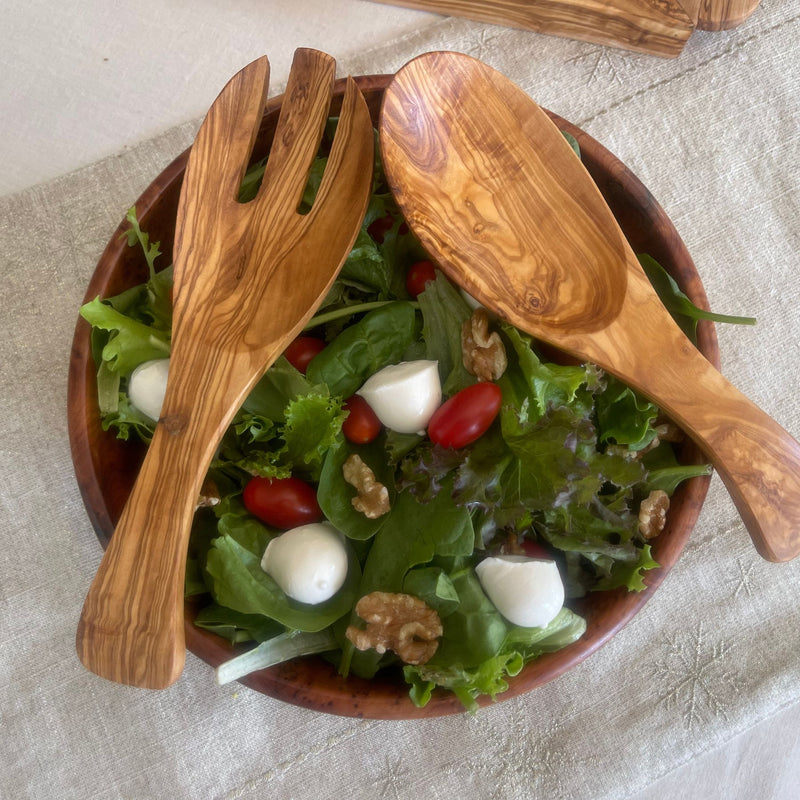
496,195
248,276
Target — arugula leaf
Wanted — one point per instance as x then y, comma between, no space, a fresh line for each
159,285
682,309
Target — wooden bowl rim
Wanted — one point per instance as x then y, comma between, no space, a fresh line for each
312,682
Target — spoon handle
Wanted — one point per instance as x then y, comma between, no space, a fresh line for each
758,461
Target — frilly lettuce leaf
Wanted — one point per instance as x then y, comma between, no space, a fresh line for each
130,342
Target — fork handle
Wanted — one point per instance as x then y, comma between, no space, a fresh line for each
131,627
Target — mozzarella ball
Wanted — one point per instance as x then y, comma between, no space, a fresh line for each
527,591
405,395
309,562
147,387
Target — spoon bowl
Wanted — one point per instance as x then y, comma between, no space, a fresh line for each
498,197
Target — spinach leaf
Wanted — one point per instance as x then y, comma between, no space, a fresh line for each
412,535
434,586
335,494
366,265
235,626
380,338
239,583
479,649
444,311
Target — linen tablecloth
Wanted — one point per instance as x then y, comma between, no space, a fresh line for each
714,135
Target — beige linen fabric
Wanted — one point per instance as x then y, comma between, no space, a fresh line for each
714,135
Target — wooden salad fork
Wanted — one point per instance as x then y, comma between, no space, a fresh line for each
248,276
496,194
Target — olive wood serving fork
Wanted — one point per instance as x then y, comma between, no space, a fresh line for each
248,276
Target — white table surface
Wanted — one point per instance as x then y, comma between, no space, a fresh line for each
82,80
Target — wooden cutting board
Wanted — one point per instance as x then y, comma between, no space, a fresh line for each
657,27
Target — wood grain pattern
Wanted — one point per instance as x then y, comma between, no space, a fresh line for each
106,467
722,15
247,279
496,194
657,27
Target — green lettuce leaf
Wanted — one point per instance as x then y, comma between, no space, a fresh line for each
130,343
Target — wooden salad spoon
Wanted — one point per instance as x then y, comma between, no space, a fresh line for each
496,194
248,276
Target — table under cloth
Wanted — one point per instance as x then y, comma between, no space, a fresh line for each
715,136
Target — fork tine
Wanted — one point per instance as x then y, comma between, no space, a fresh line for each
344,191
301,123
224,143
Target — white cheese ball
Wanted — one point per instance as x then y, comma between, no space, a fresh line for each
404,396
147,386
528,592
309,562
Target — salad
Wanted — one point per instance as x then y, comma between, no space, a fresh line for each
414,485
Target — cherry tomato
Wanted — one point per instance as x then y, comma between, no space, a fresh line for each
418,277
466,416
300,352
534,549
282,502
361,425
378,228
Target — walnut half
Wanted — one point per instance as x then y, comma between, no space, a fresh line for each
483,353
372,499
653,513
398,622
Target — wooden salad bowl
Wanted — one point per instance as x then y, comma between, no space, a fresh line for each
106,467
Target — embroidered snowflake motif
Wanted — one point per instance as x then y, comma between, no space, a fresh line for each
395,778
695,678
518,760
605,63
743,580
483,44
